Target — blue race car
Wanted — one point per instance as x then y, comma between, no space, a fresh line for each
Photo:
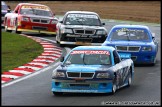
135,40
92,69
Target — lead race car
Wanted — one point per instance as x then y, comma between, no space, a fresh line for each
135,41
30,17
80,28
92,69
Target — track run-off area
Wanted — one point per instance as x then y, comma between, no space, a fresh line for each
35,89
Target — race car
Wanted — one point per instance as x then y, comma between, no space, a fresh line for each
28,17
4,9
136,41
92,69
80,28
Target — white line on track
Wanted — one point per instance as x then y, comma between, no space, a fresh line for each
31,75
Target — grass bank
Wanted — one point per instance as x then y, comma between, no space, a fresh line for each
17,50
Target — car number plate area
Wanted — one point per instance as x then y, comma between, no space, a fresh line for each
125,55
83,43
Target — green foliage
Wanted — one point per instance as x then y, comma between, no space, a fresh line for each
17,50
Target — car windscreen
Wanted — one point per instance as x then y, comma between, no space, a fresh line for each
89,57
36,10
129,34
82,19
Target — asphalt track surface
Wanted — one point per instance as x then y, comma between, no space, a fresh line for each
36,89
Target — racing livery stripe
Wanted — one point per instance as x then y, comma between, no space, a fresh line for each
51,53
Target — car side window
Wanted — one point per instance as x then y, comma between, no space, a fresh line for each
116,57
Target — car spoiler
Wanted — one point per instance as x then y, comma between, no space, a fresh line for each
125,55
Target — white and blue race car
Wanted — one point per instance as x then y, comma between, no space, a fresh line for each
92,69
137,41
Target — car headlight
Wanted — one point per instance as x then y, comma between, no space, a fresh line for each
54,21
149,48
65,30
56,74
25,19
102,75
101,32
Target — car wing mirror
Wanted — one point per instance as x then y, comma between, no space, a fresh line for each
8,10
61,59
153,35
117,60
61,21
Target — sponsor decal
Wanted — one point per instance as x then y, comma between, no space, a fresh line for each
35,7
82,16
90,52
129,30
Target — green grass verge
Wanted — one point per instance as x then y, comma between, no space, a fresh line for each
17,50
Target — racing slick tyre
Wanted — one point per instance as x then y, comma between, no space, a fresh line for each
6,29
18,32
129,80
114,87
58,93
153,64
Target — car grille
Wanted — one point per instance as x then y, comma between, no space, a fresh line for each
39,28
43,21
80,75
84,32
128,48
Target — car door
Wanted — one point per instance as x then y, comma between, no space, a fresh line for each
119,69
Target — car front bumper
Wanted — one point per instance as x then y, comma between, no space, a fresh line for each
142,57
36,27
87,87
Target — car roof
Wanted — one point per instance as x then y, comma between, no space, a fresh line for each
31,4
109,48
85,12
131,26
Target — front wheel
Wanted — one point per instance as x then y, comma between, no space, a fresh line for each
114,88
6,27
129,80
16,24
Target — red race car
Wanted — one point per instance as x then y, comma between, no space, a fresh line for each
29,17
